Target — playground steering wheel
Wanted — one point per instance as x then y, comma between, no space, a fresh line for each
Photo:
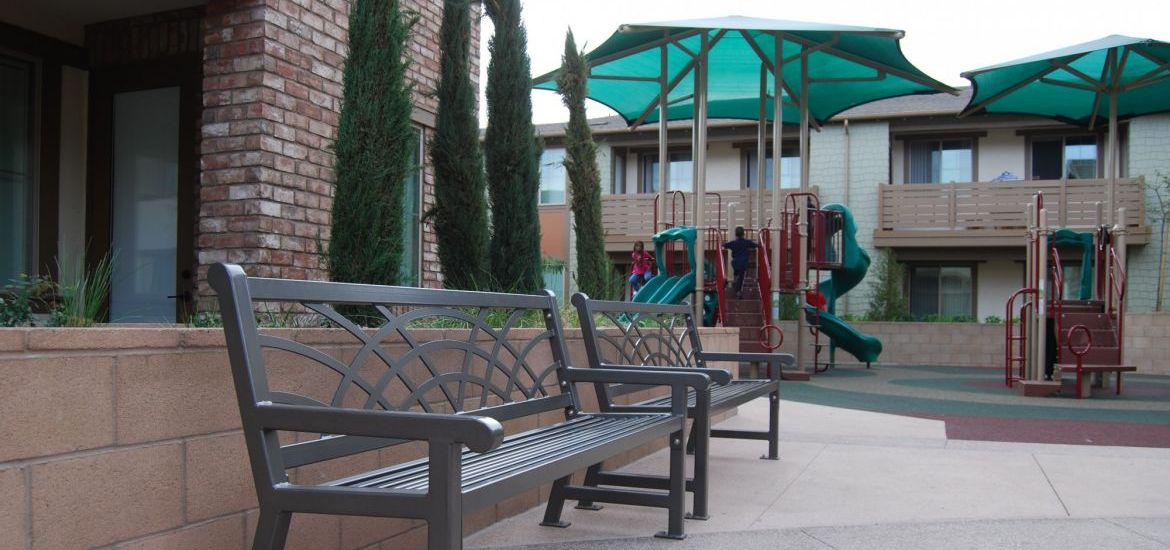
1088,340
767,342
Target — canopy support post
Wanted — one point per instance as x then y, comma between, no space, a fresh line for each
802,218
1111,157
777,135
663,157
761,153
699,158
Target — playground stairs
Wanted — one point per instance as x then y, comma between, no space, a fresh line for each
1091,314
746,313
1105,353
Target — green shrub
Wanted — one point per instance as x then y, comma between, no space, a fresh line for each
993,320
19,299
887,301
83,299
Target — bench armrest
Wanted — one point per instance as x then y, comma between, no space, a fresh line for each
778,359
480,433
678,382
718,376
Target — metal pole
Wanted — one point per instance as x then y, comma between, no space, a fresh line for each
699,162
1040,340
663,136
1111,163
777,129
802,212
761,152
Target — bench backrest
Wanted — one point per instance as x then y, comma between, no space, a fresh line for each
631,333
472,359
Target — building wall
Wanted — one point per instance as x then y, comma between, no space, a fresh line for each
272,96
1000,151
996,280
71,196
1149,155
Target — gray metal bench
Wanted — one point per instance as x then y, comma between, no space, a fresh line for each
664,338
452,391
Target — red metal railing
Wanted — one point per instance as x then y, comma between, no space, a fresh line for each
1117,284
1080,353
675,197
764,273
714,246
1057,306
1021,341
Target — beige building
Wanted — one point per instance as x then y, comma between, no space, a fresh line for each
947,195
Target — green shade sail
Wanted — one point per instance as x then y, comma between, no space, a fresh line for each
1074,84
847,66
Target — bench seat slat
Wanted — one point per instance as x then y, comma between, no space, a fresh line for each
541,446
730,395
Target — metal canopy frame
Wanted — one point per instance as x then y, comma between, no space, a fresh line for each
698,67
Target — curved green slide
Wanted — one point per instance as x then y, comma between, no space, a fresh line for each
854,264
676,288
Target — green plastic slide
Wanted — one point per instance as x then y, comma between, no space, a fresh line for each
676,288
854,264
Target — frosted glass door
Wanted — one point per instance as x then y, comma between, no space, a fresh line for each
146,171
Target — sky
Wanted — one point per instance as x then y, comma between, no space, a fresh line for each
943,38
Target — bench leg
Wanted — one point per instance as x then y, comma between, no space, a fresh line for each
700,443
445,496
590,481
773,426
271,530
678,488
556,504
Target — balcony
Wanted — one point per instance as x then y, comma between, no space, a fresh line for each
993,213
629,218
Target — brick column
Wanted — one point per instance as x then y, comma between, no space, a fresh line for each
271,97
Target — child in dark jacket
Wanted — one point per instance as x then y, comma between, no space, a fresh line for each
741,249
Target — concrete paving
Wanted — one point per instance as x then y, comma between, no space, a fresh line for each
853,479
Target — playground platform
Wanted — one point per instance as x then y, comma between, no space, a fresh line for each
922,478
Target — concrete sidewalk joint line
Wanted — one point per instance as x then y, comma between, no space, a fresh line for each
1047,479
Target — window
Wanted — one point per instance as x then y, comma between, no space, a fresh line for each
16,167
940,161
681,173
617,180
552,176
410,264
942,291
789,168
1074,157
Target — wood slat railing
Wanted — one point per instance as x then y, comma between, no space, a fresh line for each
627,218
996,206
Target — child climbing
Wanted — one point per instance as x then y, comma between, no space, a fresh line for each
640,269
740,252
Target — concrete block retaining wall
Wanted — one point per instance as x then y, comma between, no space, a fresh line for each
130,437
1147,343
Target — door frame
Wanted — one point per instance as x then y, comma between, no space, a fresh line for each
185,72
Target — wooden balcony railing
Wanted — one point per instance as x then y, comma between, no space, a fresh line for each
922,214
629,218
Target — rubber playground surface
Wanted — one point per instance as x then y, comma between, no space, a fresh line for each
975,404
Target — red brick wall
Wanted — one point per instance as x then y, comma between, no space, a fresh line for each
272,93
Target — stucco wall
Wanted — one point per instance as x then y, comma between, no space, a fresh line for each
1149,154
131,436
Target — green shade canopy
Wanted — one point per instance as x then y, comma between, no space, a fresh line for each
847,66
1074,84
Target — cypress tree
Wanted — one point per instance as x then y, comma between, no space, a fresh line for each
887,302
375,147
510,152
460,212
594,269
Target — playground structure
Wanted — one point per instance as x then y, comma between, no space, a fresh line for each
828,250
1048,333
